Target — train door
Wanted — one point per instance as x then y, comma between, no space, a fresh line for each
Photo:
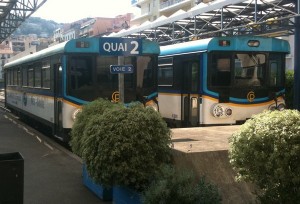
58,128
190,94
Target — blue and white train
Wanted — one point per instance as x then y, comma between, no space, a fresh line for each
222,80
51,85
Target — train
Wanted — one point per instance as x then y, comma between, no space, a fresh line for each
50,86
214,81
221,80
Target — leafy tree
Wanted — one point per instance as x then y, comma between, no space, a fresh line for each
266,151
36,25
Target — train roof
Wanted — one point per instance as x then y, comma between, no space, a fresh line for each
148,47
234,43
56,49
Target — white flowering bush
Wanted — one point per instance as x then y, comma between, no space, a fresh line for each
266,151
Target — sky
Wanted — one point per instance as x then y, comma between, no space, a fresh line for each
68,11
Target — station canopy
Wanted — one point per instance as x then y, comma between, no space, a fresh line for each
219,18
13,13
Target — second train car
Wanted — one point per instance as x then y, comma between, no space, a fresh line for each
52,85
221,80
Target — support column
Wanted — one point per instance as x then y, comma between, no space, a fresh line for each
297,59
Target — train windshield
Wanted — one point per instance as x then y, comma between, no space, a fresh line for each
90,77
246,69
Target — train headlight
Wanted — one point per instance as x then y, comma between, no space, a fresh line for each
218,111
152,104
228,111
74,114
272,107
221,111
281,107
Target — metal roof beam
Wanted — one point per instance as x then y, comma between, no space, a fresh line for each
14,12
235,17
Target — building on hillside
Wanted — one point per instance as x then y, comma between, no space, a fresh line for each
6,52
25,45
100,26
58,34
150,10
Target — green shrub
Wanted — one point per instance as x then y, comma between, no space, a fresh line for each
94,108
180,187
126,146
289,89
266,151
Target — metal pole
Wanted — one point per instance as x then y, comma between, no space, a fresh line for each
121,80
255,14
297,58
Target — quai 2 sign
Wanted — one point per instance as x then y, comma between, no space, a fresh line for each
120,46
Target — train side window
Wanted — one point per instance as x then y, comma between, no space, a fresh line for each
37,76
165,72
25,77
18,77
46,74
8,77
15,79
195,76
30,77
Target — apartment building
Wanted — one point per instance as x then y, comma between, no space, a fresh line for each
5,53
91,27
100,26
150,10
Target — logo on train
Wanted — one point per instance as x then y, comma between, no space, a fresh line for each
115,96
251,96
24,99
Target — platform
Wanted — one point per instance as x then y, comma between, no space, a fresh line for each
52,174
205,151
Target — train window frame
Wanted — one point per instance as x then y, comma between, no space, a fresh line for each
19,76
8,77
165,65
37,75
24,77
15,73
46,81
279,60
30,76
215,72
